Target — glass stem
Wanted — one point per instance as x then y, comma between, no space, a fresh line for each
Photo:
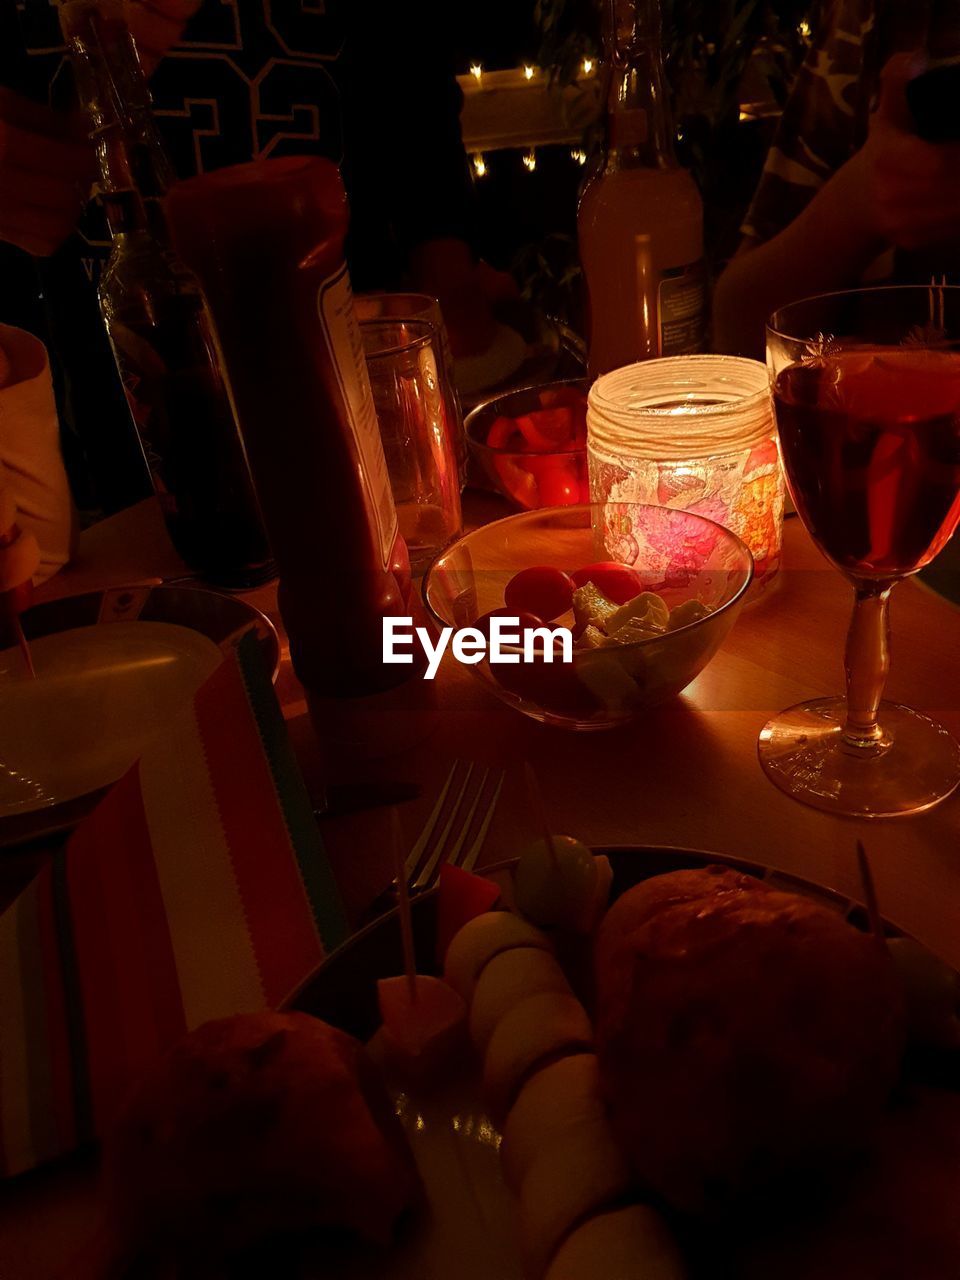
867,661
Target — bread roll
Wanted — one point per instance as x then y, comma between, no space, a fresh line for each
743,1034
254,1125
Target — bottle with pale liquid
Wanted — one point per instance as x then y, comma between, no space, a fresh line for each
640,218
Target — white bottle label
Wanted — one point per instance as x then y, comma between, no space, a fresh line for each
682,310
342,335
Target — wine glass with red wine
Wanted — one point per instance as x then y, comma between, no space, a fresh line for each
867,394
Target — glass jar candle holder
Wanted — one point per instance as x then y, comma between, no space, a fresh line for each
695,433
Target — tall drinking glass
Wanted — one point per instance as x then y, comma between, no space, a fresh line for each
422,306
408,381
867,397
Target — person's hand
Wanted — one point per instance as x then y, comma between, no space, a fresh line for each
46,166
19,560
911,187
157,25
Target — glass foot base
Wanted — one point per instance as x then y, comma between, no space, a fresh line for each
916,766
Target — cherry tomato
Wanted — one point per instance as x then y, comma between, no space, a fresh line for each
616,581
556,476
526,620
547,429
542,590
553,686
559,486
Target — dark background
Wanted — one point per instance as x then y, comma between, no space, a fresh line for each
720,53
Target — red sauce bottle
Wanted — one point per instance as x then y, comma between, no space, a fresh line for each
266,240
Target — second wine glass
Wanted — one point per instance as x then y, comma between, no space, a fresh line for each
867,396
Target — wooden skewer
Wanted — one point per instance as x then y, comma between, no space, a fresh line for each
536,801
403,905
870,895
24,644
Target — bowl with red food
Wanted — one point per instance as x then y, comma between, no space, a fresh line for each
590,614
530,445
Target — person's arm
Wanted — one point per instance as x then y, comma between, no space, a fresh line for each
827,246
897,191
45,171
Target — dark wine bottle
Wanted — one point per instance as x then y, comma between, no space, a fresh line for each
157,318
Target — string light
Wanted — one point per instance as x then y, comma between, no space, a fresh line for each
587,66
476,70
479,165
528,71
530,160
579,155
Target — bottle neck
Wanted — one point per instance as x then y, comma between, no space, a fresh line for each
114,94
639,118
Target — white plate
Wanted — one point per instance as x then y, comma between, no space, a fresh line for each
113,667
468,1230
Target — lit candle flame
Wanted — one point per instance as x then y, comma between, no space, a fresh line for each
530,160
476,70
579,155
587,66
479,165
528,71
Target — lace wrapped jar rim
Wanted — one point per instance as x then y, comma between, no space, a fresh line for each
679,408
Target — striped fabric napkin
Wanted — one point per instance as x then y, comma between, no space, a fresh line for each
197,888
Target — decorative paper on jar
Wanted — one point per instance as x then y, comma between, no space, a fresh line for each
690,432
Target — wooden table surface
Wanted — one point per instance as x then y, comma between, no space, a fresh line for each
686,775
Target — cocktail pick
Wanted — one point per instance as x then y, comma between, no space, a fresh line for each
424,1019
536,803
403,905
24,646
870,895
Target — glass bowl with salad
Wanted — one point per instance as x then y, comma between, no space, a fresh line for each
647,594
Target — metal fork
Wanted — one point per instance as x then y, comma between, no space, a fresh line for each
446,833
422,866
